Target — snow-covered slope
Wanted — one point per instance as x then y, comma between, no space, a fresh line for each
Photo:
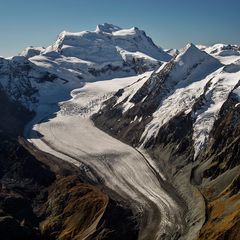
225,53
192,71
31,85
177,87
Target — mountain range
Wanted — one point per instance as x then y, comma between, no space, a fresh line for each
105,135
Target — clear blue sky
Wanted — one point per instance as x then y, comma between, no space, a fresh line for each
171,23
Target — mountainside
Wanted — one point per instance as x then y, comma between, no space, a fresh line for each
170,90
183,115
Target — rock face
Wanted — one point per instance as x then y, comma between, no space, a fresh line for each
73,211
22,177
186,117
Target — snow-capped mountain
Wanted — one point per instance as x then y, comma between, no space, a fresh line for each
223,50
25,82
105,44
226,53
75,58
107,52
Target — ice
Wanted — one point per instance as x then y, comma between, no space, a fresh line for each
121,168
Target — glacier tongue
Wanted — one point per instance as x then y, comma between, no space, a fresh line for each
71,136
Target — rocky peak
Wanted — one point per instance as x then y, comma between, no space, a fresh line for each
107,28
30,52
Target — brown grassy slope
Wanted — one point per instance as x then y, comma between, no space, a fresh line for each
73,209
223,215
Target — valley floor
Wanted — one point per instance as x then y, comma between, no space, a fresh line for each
126,174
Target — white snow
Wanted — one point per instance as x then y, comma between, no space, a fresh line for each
95,94
125,32
227,54
101,45
221,86
130,91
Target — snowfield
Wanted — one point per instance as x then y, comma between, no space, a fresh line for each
125,172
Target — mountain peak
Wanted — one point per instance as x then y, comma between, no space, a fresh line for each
107,28
190,45
102,45
190,53
192,63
